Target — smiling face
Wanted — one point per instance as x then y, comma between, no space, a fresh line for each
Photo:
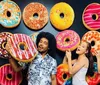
43,45
82,48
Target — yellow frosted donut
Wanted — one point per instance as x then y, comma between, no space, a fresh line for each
62,16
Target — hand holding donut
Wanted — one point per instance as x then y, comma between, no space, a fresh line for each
68,54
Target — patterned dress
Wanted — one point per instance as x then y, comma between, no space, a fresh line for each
41,69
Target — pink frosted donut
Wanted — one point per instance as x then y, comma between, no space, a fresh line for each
67,39
8,76
21,47
3,41
92,37
91,16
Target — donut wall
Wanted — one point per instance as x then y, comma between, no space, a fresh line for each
68,20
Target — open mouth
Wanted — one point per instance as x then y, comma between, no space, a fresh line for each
40,47
78,49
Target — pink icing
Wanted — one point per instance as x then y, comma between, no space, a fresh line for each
92,9
16,52
73,37
16,76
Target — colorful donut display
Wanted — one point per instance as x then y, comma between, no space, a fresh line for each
10,14
63,14
67,39
35,16
21,47
91,16
63,76
34,36
95,79
92,37
3,41
8,76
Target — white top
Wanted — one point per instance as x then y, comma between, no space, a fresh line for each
80,77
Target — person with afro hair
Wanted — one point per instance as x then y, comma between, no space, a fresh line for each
42,69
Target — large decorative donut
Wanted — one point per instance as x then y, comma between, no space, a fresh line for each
95,79
8,76
62,16
67,39
92,37
21,47
63,75
91,16
10,14
3,41
35,16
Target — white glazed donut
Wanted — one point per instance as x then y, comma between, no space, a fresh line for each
21,47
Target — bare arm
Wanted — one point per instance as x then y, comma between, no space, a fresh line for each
53,79
65,60
15,65
12,61
80,63
73,69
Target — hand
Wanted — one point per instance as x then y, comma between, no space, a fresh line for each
68,54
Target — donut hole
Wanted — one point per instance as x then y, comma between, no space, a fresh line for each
9,76
92,43
67,39
4,45
35,15
8,13
98,84
62,15
64,76
94,16
22,46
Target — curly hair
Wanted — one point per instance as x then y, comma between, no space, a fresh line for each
52,42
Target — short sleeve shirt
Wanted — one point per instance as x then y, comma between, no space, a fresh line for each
41,69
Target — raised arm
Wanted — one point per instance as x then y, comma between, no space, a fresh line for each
15,65
65,60
80,63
